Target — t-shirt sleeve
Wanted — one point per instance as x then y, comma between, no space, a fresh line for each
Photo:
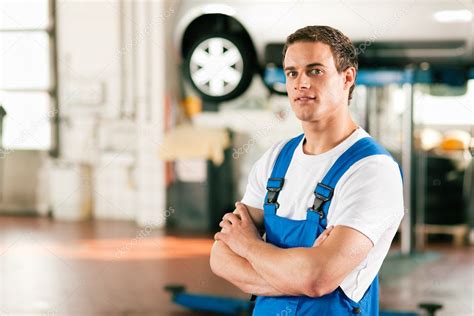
257,180
371,198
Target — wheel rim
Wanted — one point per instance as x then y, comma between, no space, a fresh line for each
216,66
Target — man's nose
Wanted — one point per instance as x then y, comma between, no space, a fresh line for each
302,83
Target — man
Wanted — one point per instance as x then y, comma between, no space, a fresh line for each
330,199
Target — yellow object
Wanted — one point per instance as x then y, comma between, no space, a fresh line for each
192,105
188,142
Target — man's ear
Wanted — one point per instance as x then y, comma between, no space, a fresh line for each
349,77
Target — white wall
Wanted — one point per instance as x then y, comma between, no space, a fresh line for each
112,65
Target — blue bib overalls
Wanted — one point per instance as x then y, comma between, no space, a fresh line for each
287,233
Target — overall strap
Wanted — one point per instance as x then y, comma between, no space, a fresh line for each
277,178
324,191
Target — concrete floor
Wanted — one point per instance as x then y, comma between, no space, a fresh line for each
114,268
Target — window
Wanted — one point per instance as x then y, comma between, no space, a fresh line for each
27,73
445,110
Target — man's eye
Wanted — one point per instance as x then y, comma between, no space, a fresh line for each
291,74
315,72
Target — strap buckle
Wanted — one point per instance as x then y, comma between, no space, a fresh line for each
322,193
274,186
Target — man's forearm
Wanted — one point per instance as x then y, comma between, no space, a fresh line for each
287,270
237,270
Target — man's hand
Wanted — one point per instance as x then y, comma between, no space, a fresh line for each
255,213
238,230
236,269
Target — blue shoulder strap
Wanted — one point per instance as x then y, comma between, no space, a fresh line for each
277,178
324,190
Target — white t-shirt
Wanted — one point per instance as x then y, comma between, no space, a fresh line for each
368,198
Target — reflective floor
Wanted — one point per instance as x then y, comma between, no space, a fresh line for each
116,268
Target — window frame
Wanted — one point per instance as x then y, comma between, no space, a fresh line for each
53,88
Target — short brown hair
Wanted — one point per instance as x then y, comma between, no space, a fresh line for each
342,49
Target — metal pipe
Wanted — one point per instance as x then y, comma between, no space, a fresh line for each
122,51
420,198
149,60
134,50
51,91
54,75
407,155
29,30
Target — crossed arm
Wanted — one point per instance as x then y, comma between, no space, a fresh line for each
240,256
238,270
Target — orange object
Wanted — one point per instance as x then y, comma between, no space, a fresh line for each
455,140
452,144
192,105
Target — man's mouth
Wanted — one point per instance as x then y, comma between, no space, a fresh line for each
305,98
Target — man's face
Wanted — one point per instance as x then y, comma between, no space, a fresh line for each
315,89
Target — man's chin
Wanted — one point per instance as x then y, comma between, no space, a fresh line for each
305,117
309,118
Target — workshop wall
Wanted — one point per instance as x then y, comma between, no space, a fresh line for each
113,95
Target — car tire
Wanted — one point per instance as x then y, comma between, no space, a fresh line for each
220,67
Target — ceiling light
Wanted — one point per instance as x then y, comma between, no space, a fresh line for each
453,16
